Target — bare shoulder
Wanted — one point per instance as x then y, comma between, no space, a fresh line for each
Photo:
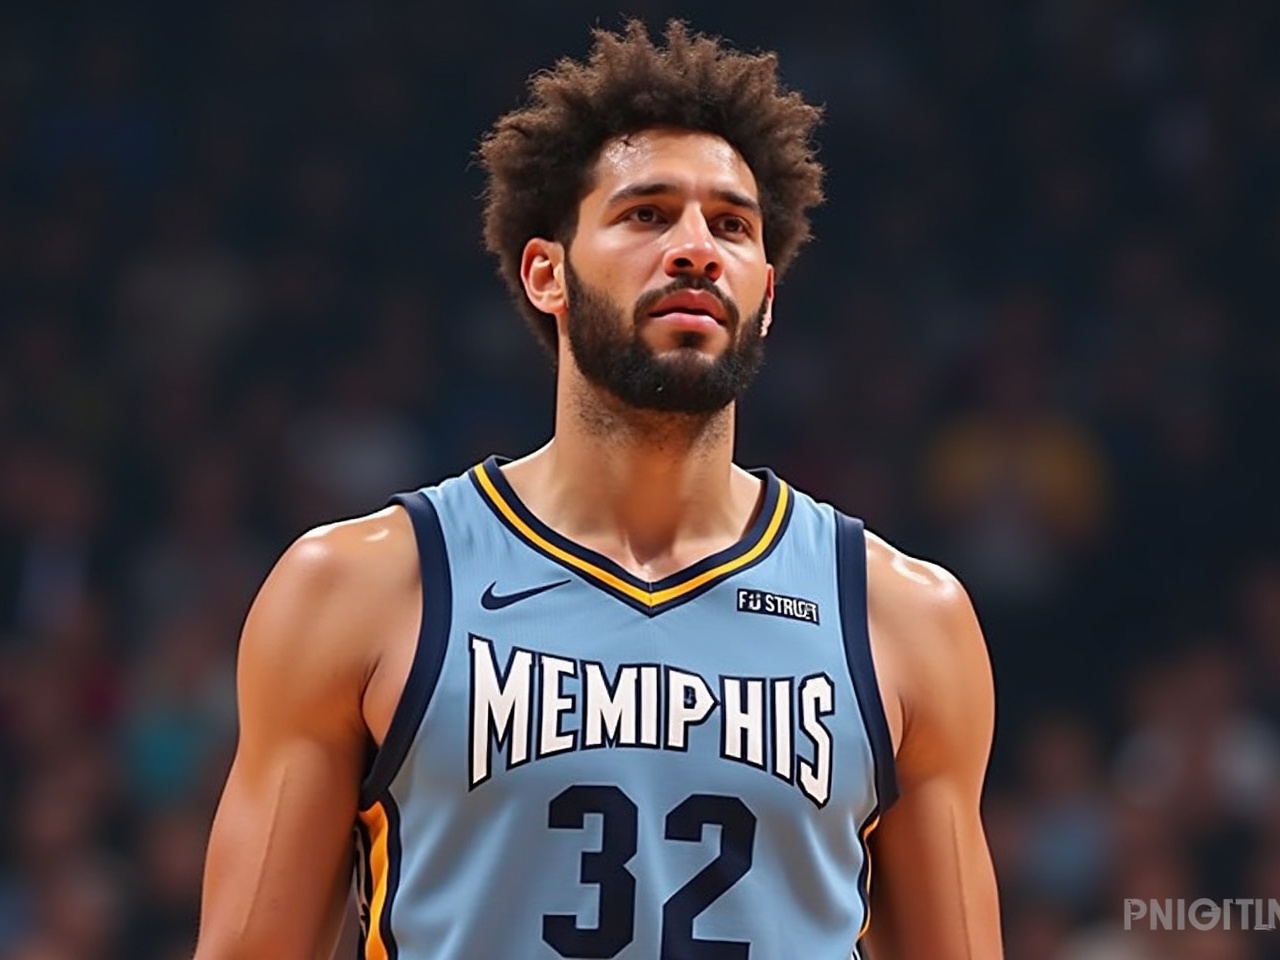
913,593
930,653
899,577
362,552
331,587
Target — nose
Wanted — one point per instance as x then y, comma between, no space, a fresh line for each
693,249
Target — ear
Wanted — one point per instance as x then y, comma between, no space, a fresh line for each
542,273
767,320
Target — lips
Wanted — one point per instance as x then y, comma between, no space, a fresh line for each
690,303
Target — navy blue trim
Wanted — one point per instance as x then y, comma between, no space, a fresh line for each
851,572
772,490
433,636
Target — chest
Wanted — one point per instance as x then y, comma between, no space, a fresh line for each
739,684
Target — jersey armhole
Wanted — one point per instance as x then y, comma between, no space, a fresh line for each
851,572
428,658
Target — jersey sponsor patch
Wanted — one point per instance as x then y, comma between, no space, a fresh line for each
777,605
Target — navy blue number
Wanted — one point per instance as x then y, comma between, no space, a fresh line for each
606,867
737,838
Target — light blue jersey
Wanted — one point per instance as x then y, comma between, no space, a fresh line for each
586,764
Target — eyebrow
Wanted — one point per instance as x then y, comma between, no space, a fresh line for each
656,188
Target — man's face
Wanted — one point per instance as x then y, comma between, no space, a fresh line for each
668,249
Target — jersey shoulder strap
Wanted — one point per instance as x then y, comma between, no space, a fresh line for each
428,658
851,570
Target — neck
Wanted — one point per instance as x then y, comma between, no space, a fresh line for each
603,425
653,491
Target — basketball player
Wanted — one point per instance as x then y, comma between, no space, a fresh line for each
620,697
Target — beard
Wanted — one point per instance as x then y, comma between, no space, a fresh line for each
683,380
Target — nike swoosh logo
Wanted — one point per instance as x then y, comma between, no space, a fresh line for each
496,601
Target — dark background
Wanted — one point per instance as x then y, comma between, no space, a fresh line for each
242,292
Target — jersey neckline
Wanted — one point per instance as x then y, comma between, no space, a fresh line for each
648,597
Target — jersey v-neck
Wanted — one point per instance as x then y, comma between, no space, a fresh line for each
648,597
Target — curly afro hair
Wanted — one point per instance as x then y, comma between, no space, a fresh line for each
539,158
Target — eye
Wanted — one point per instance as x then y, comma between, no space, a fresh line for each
735,225
644,215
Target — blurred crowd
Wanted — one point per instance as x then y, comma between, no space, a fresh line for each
242,292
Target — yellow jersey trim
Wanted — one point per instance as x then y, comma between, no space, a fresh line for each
376,822
648,598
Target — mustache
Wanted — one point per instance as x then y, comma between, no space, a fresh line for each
688,282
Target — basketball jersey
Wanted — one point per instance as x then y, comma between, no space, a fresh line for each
587,764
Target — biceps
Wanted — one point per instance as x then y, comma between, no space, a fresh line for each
279,854
934,891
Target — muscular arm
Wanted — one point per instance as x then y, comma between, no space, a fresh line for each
278,867
934,891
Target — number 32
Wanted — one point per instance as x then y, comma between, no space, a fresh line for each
607,869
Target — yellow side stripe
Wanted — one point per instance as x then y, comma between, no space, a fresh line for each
644,596
866,893
375,819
